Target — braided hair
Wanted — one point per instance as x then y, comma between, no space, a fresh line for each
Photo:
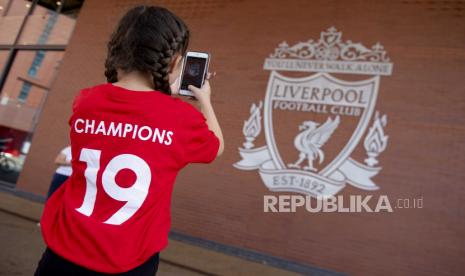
147,39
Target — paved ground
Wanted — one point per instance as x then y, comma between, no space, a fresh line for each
22,246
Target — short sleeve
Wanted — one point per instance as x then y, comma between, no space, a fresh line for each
74,105
201,143
67,152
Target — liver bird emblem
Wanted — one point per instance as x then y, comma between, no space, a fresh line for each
310,141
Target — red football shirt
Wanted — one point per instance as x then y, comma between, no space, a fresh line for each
113,213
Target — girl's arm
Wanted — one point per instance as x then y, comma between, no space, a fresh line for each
203,96
60,160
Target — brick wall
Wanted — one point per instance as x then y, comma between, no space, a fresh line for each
424,100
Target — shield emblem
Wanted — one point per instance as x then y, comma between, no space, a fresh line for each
330,38
313,124
315,101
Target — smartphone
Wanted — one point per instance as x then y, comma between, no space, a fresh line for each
194,72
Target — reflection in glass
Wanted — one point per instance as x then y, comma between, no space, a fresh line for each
28,71
13,13
46,26
19,110
3,58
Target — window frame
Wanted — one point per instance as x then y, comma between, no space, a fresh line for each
15,47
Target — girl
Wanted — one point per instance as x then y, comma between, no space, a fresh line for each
64,170
129,138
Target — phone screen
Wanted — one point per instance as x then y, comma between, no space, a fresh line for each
194,69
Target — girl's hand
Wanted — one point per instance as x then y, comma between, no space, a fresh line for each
203,94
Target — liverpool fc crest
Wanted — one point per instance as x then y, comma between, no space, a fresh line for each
311,159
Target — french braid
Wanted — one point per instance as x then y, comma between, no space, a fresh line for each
147,39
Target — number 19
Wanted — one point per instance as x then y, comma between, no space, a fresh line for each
134,195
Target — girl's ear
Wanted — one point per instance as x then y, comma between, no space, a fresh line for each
175,64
